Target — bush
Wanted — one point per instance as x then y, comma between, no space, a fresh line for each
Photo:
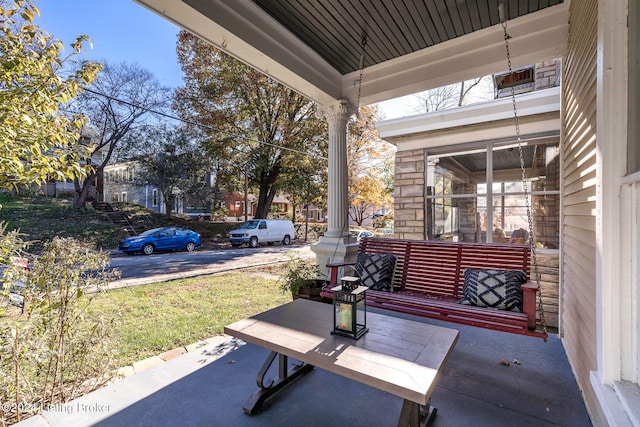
298,274
54,352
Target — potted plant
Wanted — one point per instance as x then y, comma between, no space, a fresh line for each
301,278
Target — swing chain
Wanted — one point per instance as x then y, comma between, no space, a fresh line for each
525,188
359,80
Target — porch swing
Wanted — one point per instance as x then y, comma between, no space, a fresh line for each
431,278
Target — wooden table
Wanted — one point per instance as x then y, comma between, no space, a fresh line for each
399,356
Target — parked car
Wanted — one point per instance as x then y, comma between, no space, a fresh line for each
359,234
256,231
161,239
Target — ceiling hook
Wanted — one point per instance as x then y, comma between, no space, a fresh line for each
501,11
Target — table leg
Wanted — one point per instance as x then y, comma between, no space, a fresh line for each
285,376
416,415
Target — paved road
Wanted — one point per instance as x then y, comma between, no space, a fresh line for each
140,269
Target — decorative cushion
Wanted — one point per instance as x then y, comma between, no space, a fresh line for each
493,288
376,270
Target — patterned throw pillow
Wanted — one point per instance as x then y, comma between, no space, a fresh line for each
493,288
376,270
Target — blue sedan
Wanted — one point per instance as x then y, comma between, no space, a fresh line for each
161,239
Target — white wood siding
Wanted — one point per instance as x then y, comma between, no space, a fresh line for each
579,94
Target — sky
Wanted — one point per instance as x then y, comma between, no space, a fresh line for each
121,31
124,31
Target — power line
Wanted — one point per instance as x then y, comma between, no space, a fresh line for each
208,127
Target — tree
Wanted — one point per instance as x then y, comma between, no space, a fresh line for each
305,183
123,98
252,120
368,159
55,353
455,95
172,162
37,141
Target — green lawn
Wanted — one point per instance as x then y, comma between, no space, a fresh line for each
159,317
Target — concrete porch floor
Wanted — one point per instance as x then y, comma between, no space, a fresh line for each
210,385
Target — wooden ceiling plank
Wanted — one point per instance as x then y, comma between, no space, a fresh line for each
454,16
474,14
523,7
483,12
445,18
337,36
377,44
533,5
308,30
421,25
412,31
465,17
389,24
434,15
350,24
513,8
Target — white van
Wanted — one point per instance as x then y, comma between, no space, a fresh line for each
258,231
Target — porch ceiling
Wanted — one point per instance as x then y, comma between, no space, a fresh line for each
315,46
335,29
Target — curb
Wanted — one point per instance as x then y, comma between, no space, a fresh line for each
150,362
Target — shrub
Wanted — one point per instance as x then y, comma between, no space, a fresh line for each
55,352
298,274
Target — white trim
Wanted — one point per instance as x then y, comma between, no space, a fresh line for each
611,124
620,403
531,103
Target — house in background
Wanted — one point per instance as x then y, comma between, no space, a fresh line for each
120,186
53,188
312,212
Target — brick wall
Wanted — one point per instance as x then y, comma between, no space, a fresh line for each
409,195
547,74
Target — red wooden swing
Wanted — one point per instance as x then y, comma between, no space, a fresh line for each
429,275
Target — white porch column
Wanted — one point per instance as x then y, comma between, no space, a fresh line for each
336,245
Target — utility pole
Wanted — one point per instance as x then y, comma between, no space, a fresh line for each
246,189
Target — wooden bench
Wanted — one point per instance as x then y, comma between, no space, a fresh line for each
429,277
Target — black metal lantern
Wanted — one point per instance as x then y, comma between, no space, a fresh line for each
350,308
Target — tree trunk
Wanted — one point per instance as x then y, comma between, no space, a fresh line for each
265,199
168,203
82,190
267,191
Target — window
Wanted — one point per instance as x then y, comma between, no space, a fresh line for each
521,80
129,174
155,198
114,197
465,201
124,197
